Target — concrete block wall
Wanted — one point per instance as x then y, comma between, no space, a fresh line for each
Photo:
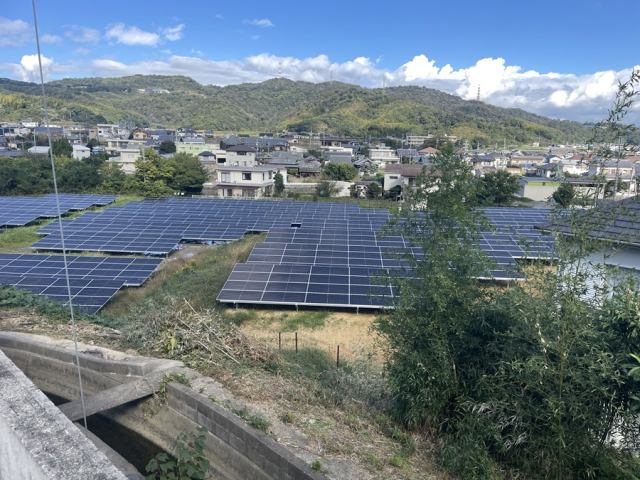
236,450
264,452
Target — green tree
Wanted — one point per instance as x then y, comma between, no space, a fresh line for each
496,189
278,184
189,175
327,188
93,142
531,377
374,190
564,195
61,147
112,178
167,146
340,172
76,176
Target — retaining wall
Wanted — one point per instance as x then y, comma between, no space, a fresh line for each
236,450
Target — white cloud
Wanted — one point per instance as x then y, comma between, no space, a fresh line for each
219,16
262,22
81,51
29,71
14,33
80,34
254,37
131,35
557,95
46,38
197,52
173,33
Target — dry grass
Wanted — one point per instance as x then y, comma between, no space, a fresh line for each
350,330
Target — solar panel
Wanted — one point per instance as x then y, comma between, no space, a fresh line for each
19,211
93,280
300,234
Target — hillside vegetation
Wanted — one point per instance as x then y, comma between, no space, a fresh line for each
282,104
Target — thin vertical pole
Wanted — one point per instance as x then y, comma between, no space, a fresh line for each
338,358
296,342
279,340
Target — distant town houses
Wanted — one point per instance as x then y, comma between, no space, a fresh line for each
303,155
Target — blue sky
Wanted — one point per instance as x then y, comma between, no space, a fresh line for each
559,58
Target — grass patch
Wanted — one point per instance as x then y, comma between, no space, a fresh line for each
17,238
197,278
291,322
308,361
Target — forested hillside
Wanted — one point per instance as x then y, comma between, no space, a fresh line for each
282,104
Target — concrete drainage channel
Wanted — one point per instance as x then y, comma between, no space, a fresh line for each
236,451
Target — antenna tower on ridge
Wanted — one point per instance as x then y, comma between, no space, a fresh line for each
280,70
384,84
478,97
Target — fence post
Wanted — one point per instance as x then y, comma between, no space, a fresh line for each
338,358
296,342
279,340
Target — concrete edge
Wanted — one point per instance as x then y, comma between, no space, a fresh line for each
140,366
261,449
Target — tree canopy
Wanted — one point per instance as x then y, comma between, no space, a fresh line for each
496,189
61,147
530,377
340,172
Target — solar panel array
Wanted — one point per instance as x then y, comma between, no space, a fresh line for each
19,211
351,266
323,254
93,280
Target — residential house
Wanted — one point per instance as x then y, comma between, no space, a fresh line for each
80,152
338,157
401,174
616,226
572,167
547,170
384,155
241,155
245,182
612,170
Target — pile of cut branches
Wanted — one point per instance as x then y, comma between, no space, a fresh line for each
179,331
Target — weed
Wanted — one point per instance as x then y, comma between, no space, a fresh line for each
396,461
372,461
201,389
259,422
300,320
406,441
190,462
316,466
256,420
172,377
239,317
213,399
287,417
308,361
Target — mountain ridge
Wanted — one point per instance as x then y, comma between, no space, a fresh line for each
282,104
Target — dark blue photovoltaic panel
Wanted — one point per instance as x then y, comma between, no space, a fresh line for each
19,211
93,280
328,241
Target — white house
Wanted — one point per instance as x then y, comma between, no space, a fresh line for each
245,182
401,174
383,154
80,152
572,167
241,156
